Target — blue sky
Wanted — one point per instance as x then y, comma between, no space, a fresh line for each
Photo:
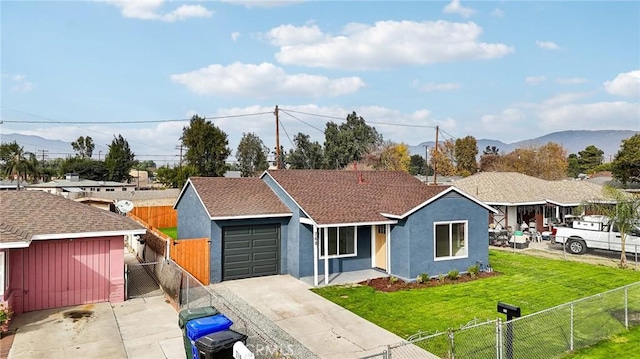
502,70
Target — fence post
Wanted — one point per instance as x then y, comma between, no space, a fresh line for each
498,338
626,307
571,330
451,345
564,248
388,354
636,257
501,352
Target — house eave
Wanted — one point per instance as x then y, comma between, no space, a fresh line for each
251,216
442,194
12,245
43,237
356,224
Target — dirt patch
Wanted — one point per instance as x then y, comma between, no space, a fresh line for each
76,315
386,284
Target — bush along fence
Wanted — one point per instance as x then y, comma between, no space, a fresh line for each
550,333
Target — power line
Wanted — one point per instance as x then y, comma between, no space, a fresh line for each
306,123
373,122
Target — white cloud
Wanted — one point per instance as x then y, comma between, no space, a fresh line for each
547,45
571,80
454,7
625,84
151,10
235,36
534,80
432,86
18,83
563,98
384,44
497,13
594,116
264,80
262,3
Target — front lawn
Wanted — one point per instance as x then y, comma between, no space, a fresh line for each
170,231
624,345
532,283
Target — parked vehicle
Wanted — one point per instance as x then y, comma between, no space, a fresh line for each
596,232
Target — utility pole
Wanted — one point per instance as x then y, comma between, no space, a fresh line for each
277,139
180,148
43,152
99,153
435,163
426,164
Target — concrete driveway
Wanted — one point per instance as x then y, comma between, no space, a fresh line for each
325,328
138,328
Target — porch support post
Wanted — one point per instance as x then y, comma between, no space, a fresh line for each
315,256
326,255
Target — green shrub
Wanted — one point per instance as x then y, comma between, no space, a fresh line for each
393,279
473,270
422,278
441,278
453,274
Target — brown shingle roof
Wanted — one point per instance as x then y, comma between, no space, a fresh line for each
514,188
237,197
334,197
25,214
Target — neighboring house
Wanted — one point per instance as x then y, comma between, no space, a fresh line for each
315,223
10,185
55,252
520,198
73,186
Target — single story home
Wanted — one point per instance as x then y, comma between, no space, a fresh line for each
312,222
72,186
520,198
55,252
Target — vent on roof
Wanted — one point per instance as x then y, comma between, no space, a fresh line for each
73,177
361,179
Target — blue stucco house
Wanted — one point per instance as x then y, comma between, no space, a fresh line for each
318,222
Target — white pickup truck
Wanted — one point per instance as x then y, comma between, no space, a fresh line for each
596,232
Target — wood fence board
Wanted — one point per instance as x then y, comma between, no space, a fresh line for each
193,256
157,216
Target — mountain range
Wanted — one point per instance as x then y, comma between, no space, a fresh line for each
574,141
608,141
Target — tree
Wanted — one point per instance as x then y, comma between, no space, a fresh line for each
306,154
626,163
119,160
573,166
548,162
174,177
207,148
16,163
390,156
442,159
349,141
416,165
590,158
252,155
466,150
490,159
625,213
86,168
83,146
146,165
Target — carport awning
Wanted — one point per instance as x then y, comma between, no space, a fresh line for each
72,189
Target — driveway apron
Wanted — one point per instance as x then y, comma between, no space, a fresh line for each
325,328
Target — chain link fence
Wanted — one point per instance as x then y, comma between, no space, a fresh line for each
550,333
559,246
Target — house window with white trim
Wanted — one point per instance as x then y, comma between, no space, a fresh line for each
450,240
341,241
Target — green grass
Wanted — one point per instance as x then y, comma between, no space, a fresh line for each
170,231
532,283
624,345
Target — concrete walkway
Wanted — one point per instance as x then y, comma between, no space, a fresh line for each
139,328
325,328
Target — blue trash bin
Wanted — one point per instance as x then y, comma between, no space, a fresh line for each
200,327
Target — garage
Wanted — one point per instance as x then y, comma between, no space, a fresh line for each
250,251
60,273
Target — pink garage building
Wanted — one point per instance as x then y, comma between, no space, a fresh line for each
55,252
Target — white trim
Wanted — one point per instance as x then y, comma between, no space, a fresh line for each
373,246
466,240
42,237
10,245
3,270
443,193
355,224
355,243
184,188
250,216
388,231
389,215
326,258
308,221
315,256
515,204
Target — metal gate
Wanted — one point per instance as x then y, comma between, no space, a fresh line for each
141,281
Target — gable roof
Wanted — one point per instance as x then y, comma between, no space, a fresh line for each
37,215
511,188
236,198
339,197
62,182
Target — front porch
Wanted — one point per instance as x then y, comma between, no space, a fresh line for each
346,277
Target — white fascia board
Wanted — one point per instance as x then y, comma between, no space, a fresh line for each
184,188
357,224
251,216
197,195
389,215
529,203
11,245
443,193
563,204
41,237
308,221
285,192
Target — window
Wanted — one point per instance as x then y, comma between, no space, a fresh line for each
109,189
341,241
124,188
450,240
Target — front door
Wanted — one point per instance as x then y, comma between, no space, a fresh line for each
381,246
